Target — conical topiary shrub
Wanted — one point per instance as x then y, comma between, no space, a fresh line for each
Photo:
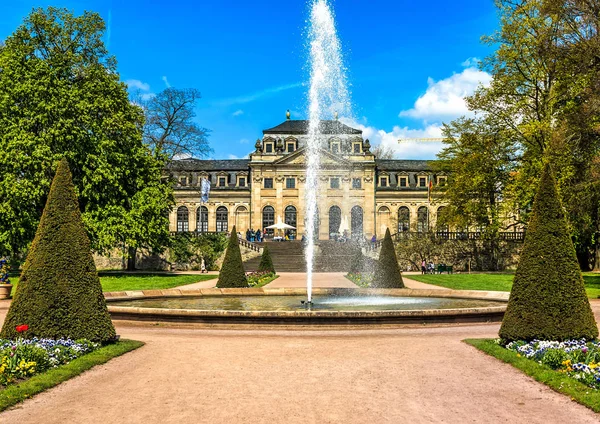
387,271
266,263
357,265
232,272
548,299
59,292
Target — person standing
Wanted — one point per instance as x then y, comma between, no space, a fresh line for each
423,267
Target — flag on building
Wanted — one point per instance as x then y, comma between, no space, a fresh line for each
429,189
205,190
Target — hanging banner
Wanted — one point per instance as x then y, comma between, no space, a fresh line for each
205,190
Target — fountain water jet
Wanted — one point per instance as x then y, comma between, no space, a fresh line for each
328,95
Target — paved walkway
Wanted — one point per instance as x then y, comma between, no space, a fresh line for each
404,375
320,280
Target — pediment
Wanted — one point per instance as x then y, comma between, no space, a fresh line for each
299,158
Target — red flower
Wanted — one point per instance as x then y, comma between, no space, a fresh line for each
21,328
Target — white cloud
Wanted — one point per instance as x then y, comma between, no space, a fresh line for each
409,149
471,62
232,157
244,141
133,83
257,95
166,81
444,99
238,112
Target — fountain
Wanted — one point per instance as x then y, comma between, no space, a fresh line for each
328,95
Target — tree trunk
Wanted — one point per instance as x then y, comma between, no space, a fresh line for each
131,255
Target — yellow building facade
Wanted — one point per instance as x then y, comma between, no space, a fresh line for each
359,194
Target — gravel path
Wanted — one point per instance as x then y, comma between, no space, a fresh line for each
404,375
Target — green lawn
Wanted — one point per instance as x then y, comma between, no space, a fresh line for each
120,281
38,383
557,381
494,282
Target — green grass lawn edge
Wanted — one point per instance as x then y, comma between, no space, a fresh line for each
38,383
264,283
557,381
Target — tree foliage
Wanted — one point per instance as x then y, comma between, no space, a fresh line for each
59,293
548,299
60,96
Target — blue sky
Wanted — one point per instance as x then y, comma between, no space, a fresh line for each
409,63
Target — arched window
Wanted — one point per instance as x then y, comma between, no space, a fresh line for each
423,219
291,218
183,224
242,218
403,220
335,220
268,219
222,219
202,219
356,221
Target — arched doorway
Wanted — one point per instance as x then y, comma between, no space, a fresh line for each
202,219
335,220
317,224
403,220
356,222
423,219
183,219
268,219
222,219
291,218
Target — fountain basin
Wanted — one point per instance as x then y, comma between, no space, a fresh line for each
331,306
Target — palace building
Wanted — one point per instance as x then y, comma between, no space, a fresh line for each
359,194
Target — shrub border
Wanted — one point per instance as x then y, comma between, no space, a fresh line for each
555,380
41,382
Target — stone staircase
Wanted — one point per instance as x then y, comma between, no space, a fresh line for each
288,256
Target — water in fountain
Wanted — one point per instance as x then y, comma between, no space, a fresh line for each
328,95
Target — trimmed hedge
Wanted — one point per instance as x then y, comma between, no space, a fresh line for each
387,271
548,299
232,272
59,292
266,263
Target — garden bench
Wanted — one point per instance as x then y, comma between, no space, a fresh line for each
444,268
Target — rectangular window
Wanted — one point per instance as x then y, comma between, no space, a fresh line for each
356,183
441,181
334,183
269,148
290,183
383,182
356,147
268,182
335,148
422,181
183,181
222,181
403,182
290,147
242,182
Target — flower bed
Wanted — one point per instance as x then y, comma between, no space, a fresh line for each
24,358
363,280
579,359
260,278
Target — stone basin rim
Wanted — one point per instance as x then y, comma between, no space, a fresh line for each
473,314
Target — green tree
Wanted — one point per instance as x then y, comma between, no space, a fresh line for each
59,292
548,299
232,272
266,263
387,271
479,159
60,96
